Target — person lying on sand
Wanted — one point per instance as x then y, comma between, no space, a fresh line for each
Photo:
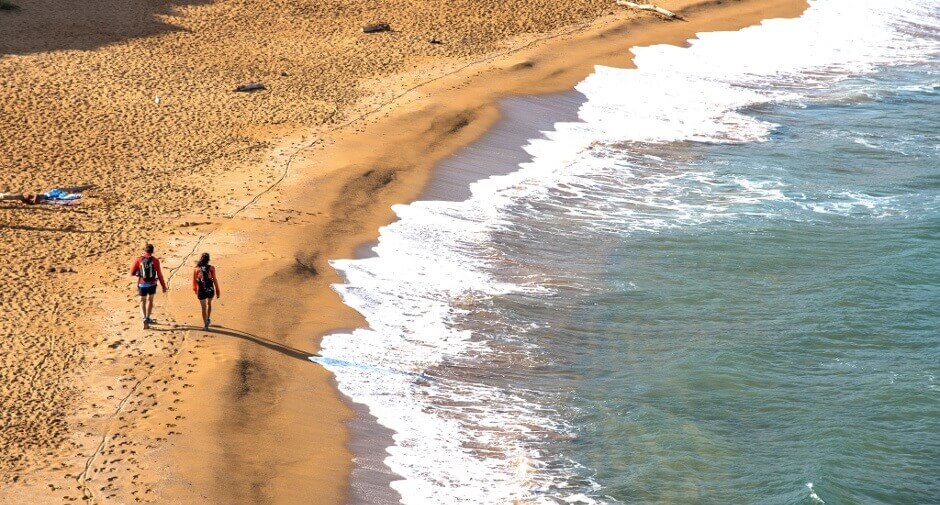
27,198
58,196
147,270
205,285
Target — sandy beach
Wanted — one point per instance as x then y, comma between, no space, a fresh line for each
138,99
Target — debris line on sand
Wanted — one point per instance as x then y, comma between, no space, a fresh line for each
650,7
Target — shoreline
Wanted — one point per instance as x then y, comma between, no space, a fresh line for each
497,152
521,117
237,399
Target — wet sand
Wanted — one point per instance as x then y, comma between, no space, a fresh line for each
500,151
95,408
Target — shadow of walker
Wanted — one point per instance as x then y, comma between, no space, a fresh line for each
244,335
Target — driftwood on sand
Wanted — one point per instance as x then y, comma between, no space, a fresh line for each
650,7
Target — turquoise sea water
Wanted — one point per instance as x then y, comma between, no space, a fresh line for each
720,284
795,342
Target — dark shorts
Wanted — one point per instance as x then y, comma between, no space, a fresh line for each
142,291
202,295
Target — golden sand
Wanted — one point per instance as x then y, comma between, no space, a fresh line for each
273,183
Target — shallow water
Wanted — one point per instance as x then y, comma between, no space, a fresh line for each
726,292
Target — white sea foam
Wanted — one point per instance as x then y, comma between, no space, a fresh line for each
460,440
812,494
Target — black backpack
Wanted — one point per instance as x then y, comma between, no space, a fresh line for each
205,279
147,270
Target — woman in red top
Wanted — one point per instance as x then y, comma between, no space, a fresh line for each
206,286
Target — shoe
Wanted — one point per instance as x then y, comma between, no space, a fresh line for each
205,327
146,324
208,323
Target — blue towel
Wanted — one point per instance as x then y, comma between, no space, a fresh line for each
58,194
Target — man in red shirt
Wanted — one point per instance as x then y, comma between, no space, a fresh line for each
147,270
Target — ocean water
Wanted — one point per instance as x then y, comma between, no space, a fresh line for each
721,285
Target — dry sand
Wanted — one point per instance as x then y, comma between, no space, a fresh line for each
273,183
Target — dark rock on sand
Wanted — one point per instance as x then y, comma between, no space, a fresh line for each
254,86
380,27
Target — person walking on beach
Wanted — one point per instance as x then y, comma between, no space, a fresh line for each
206,286
147,270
